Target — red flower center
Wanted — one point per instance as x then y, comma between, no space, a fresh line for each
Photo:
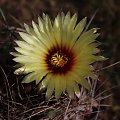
60,60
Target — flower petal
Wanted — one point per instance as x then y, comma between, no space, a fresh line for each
58,89
77,90
79,28
50,88
69,86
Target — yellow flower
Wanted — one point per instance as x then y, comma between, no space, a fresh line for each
57,54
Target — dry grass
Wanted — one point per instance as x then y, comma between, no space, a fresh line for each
22,102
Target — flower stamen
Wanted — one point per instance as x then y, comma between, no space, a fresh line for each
58,59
